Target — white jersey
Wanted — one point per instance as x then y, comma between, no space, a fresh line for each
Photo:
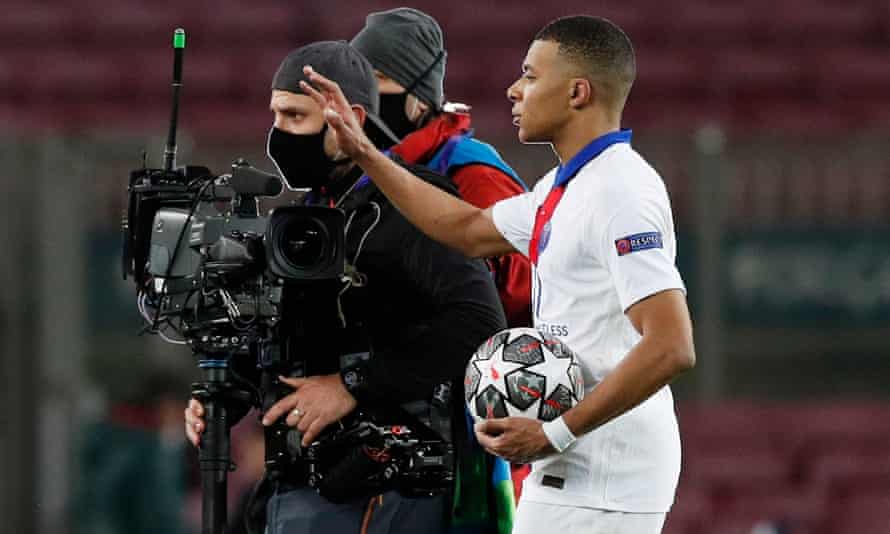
610,244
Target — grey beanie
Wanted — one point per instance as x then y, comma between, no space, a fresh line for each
406,45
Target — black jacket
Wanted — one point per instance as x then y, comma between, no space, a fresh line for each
426,307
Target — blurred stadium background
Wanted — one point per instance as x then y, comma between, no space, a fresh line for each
769,120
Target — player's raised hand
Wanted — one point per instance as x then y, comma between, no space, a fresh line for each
339,114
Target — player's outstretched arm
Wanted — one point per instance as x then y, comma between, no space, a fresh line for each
441,216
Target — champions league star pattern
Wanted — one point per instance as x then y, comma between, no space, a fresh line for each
522,372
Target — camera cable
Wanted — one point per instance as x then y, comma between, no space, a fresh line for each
354,278
182,233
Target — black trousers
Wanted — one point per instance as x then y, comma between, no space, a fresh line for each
303,511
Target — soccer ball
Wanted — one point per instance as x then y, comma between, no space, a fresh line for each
522,372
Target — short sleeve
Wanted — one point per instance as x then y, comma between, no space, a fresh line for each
638,247
514,218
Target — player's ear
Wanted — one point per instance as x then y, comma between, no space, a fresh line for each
581,93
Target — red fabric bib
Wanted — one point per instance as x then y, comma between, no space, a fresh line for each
542,219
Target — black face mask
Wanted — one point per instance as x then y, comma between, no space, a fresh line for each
300,159
392,111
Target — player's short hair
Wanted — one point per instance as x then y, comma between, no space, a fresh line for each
600,49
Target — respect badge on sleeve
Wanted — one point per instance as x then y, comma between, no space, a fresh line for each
637,242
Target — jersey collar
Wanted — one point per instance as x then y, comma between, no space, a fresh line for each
566,172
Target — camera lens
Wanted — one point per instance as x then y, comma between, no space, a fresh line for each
305,243
302,242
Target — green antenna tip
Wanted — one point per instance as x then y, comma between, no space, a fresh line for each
179,38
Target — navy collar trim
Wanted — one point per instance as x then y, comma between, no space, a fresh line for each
566,172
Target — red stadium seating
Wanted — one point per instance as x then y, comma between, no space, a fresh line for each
851,71
692,509
29,24
796,20
736,425
848,470
66,74
9,76
253,69
758,71
794,66
272,23
708,23
676,70
788,114
865,513
730,524
116,26
860,425
744,468
205,116
797,508
800,466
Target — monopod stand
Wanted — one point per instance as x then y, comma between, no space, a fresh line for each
217,394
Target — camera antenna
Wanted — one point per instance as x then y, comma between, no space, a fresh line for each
178,50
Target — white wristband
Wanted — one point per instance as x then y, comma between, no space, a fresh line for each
557,431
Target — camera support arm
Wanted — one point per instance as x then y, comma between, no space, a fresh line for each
220,397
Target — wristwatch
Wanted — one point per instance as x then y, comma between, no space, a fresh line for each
354,379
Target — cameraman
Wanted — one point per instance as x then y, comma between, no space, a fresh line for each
425,306
406,48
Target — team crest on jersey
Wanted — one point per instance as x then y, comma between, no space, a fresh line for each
637,242
545,237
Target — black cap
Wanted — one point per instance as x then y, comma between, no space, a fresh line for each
336,60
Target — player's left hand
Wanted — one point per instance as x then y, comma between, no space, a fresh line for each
516,439
317,402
